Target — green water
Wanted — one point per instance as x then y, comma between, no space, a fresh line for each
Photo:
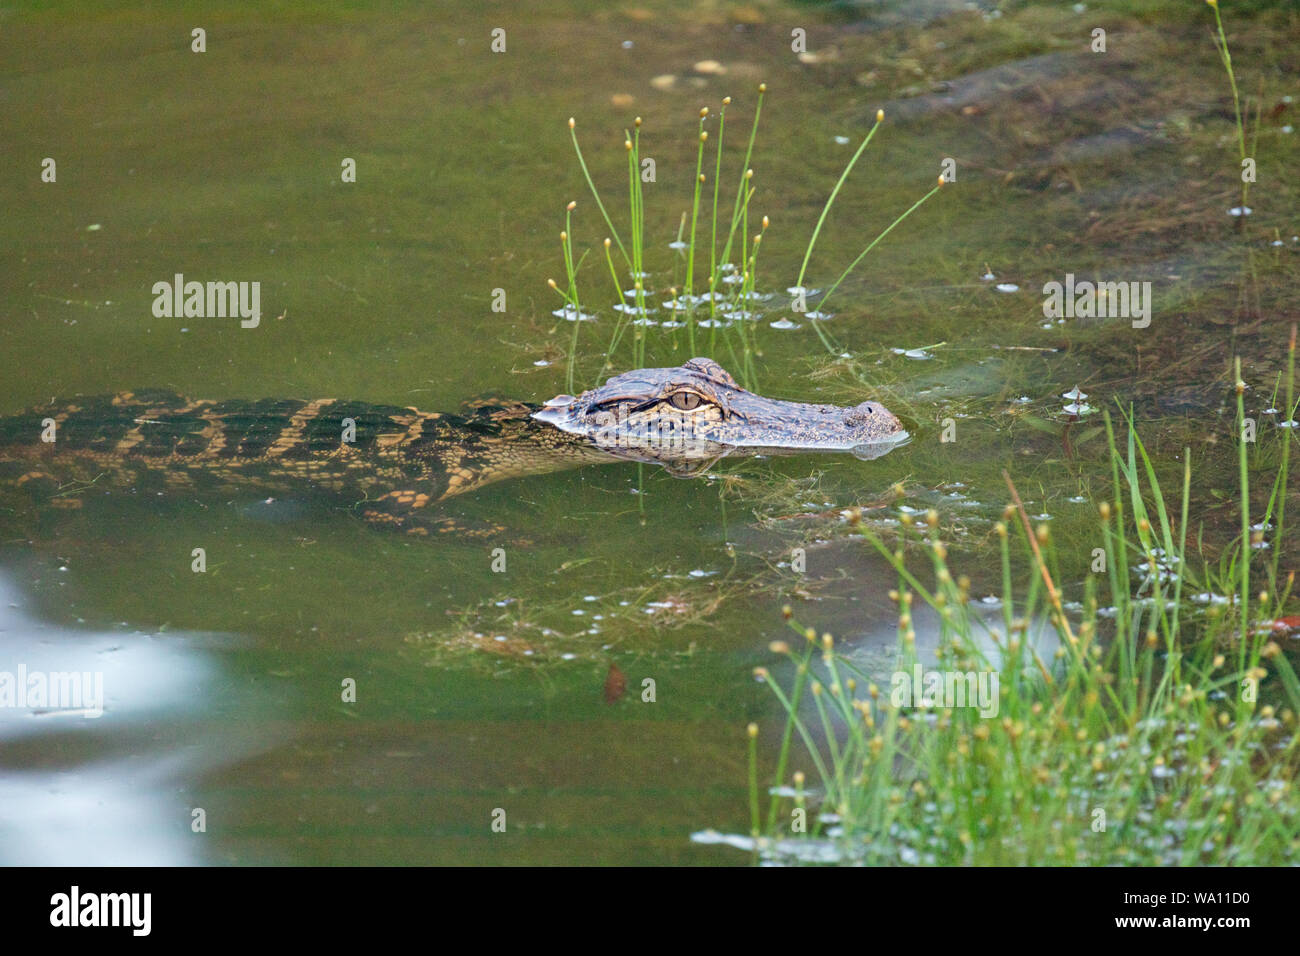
225,165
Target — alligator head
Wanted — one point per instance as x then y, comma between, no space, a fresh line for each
686,418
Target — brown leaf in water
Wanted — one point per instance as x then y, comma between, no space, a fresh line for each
615,684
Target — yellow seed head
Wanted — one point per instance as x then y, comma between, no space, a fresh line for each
701,177
637,122
607,242
762,87
571,123
704,136
573,204
880,116
551,283
1104,510
564,236
779,647
810,635
752,730
766,222
787,612
749,174
726,101
942,180
827,642
704,111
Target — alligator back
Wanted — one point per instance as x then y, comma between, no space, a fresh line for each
393,460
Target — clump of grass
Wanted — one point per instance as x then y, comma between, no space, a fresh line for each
1145,731
738,344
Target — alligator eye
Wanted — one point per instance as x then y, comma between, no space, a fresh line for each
686,401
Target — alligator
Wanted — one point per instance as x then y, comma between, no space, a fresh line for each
392,462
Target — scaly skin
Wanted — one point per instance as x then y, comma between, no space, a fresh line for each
402,460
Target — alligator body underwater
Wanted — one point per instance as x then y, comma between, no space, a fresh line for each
394,462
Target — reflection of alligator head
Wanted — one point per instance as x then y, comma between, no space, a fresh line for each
686,418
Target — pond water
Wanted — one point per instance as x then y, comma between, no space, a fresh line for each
479,689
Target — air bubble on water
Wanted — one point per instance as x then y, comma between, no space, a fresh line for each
988,277
733,278
802,290
1290,423
842,140
671,325
1237,211
677,245
542,363
1075,395
1078,408
1007,287
784,324
823,316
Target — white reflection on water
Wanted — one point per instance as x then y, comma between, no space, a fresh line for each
112,790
